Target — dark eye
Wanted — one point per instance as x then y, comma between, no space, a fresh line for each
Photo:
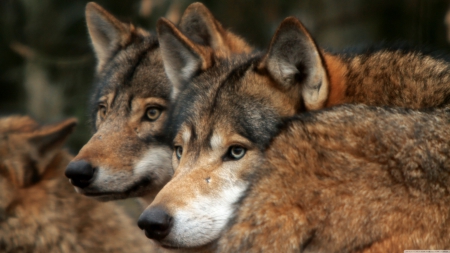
102,111
153,113
179,151
236,152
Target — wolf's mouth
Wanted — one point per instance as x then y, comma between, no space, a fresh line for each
135,189
101,194
168,246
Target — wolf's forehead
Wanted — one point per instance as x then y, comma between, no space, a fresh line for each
138,69
237,115
219,84
226,106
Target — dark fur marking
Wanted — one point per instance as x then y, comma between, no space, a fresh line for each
31,175
308,241
130,73
130,103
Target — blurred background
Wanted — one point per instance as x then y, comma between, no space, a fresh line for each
46,62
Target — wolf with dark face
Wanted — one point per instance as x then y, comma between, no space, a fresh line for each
229,109
127,156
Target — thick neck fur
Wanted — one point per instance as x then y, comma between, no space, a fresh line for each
390,78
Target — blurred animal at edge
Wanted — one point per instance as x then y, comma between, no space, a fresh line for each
40,211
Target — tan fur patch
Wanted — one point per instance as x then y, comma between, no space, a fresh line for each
336,71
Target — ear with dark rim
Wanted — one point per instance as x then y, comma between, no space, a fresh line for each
294,59
202,27
182,57
106,32
48,140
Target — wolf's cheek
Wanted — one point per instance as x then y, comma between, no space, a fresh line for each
205,218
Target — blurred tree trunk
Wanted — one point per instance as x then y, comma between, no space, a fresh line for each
45,99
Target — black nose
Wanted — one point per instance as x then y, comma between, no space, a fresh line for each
80,173
156,222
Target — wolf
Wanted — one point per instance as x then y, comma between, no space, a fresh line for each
367,179
127,156
351,178
39,211
226,109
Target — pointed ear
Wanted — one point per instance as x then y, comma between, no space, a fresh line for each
105,31
199,24
294,59
48,140
182,57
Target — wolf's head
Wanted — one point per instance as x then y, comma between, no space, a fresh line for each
29,157
127,156
225,115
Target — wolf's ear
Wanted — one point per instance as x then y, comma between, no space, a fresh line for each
199,24
294,59
105,31
48,140
182,57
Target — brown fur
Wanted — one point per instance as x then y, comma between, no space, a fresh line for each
130,80
350,179
39,210
395,78
338,82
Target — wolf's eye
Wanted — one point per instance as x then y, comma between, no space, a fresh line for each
102,111
179,151
235,153
153,113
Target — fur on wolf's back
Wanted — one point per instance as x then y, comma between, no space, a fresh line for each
395,75
349,179
47,215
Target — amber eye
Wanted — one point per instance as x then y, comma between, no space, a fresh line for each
236,152
153,113
179,151
102,111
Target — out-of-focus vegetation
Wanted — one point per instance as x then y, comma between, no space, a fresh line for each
46,63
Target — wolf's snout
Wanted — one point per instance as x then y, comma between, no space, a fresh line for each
80,173
156,222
